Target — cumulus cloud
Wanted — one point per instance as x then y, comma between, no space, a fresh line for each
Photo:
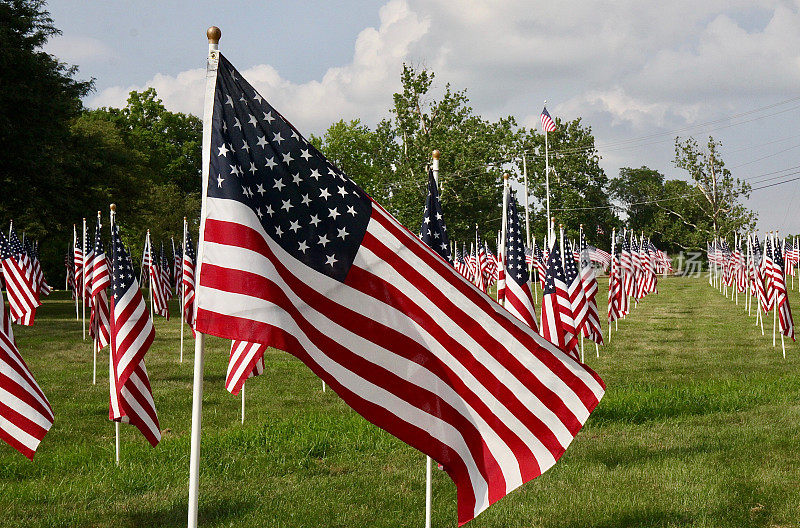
75,49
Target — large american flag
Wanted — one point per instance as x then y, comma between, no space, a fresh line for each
25,413
517,298
22,298
548,125
132,334
295,255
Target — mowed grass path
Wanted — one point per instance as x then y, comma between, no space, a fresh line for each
700,427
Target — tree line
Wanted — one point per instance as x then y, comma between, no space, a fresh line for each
63,161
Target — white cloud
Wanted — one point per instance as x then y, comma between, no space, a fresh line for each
74,49
360,89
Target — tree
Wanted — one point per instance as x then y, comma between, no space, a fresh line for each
719,193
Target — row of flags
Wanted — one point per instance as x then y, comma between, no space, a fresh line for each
634,272
25,412
761,273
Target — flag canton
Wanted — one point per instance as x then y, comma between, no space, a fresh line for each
586,259
555,271
164,260
98,244
515,249
190,249
5,248
122,276
768,248
434,231
778,255
16,245
304,204
570,269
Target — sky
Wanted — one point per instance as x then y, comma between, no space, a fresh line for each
638,73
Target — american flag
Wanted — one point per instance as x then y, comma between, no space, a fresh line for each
39,282
295,255
627,270
77,259
132,334
591,326
541,265
517,298
479,265
24,261
740,267
558,325
434,230
460,263
159,300
22,299
187,274
781,298
758,278
576,291
99,324
166,280
70,272
547,122
25,413
177,259
767,269
616,293
246,360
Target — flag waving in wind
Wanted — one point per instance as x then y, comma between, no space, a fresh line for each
548,125
293,254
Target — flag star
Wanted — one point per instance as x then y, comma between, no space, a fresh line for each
342,192
324,193
314,220
224,126
287,204
235,170
236,123
252,168
333,213
258,97
279,184
342,233
270,210
296,178
438,216
287,158
295,136
260,189
245,146
277,137
258,212
271,163
229,100
268,117
444,246
302,246
244,190
329,259
223,150
294,226
262,142
331,171
243,98
323,240
436,235
427,220
306,200
278,231
305,155
315,174
220,179
253,121
351,210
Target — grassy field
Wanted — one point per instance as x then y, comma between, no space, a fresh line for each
700,427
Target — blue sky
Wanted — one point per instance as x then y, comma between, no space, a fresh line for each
638,73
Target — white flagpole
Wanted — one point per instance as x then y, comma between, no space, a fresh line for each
580,237
112,211
504,226
183,290
547,174
83,281
535,283
213,33
736,251
150,281
610,278
243,384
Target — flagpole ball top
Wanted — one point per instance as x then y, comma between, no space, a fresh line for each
435,154
113,207
184,218
214,34
505,176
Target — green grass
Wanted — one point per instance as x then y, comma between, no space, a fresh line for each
700,427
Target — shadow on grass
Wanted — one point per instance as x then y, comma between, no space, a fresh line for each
215,512
639,518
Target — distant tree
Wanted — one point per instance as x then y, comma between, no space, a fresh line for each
719,195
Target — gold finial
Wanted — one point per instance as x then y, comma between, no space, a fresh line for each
561,226
214,34
581,225
184,218
435,154
505,176
113,207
